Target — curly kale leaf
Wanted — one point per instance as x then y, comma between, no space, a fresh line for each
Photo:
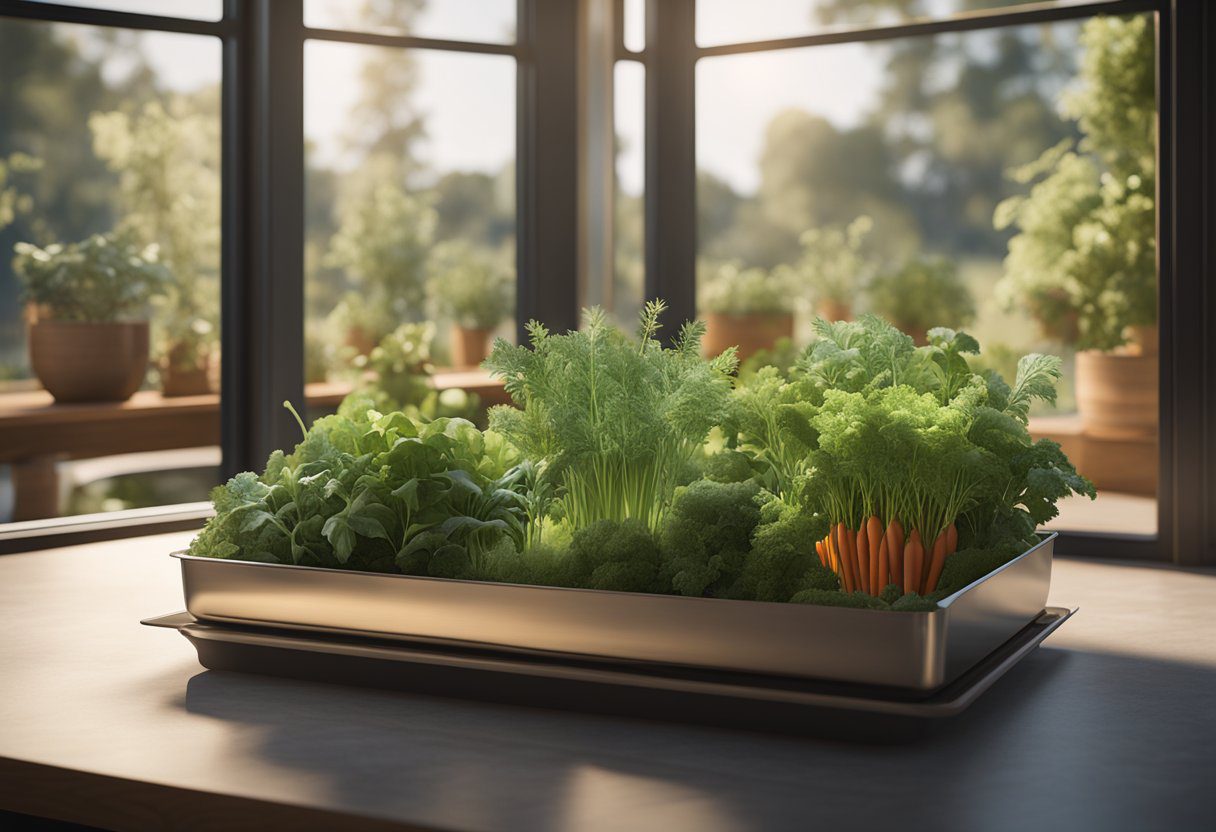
782,561
608,554
707,535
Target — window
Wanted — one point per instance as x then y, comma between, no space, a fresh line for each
110,163
410,228
975,180
480,146
811,114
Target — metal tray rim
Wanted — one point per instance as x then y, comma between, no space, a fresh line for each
942,605
936,705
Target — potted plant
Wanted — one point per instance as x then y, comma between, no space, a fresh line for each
397,376
833,267
1083,259
923,293
750,309
167,157
88,333
382,245
476,291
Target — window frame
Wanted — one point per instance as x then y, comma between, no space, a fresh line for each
262,211
1186,208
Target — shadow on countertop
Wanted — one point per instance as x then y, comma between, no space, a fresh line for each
1067,740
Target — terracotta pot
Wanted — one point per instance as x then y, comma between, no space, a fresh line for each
89,362
1117,394
187,381
359,339
834,310
469,346
179,377
750,333
1144,340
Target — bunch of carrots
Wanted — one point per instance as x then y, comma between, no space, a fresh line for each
873,556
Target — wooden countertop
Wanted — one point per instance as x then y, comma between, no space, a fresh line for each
1109,726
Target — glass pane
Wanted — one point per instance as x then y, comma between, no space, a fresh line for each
191,9
629,105
109,310
998,180
726,21
483,21
634,25
410,228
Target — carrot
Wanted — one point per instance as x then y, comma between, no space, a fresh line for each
833,556
842,551
895,551
951,539
878,555
850,537
863,558
914,557
936,562
819,550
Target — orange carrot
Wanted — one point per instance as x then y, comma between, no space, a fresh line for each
880,576
819,550
936,562
895,551
833,557
842,551
863,558
854,561
951,539
914,557
878,555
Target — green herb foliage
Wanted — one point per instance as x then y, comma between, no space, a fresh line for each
375,492
614,420
581,485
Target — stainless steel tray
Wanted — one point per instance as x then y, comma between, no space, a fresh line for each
598,685
921,651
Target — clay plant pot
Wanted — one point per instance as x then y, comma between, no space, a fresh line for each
89,362
360,340
750,333
1117,394
469,346
179,377
834,310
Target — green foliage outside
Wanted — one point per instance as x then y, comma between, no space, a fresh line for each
13,201
382,246
1084,255
834,263
471,287
731,290
166,156
396,375
104,278
922,293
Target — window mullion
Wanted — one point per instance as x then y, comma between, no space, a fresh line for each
263,280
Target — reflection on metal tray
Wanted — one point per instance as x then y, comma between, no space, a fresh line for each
920,651
576,683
